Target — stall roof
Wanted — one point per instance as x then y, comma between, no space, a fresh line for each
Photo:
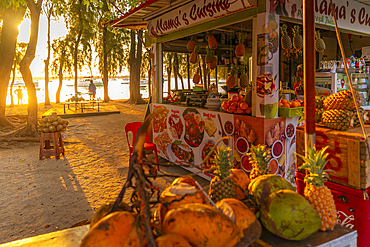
138,17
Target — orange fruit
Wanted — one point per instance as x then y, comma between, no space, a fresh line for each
249,110
281,104
286,105
243,105
235,98
225,104
283,101
239,111
241,98
295,104
235,104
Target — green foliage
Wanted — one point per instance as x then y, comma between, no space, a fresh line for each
62,56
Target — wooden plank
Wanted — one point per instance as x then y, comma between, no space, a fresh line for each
353,162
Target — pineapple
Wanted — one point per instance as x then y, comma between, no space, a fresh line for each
338,119
259,158
223,163
363,113
196,77
273,35
231,80
248,94
316,192
297,38
240,49
194,55
213,64
191,45
286,42
243,80
319,43
209,56
212,42
342,100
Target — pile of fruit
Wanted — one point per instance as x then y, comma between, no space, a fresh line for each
338,111
236,104
52,123
291,104
186,218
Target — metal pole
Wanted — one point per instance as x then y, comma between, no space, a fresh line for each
309,71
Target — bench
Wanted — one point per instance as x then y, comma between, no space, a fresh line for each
88,104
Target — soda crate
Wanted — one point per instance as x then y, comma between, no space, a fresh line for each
348,155
353,207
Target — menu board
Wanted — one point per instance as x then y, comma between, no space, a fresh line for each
185,135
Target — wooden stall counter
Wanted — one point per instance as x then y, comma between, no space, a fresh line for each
341,236
348,154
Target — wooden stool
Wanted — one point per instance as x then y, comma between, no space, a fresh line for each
46,149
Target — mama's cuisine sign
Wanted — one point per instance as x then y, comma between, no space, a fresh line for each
351,15
196,12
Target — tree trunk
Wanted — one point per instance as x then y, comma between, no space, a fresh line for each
169,72
105,63
135,97
75,55
31,127
47,61
11,20
60,72
11,88
174,72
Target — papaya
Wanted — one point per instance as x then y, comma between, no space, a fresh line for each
244,217
172,240
264,185
105,209
118,229
242,179
289,215
202,226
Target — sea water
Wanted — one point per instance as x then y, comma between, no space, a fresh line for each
117,89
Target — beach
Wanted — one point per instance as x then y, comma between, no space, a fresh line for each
42,196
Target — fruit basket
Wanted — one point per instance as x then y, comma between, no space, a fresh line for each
290,112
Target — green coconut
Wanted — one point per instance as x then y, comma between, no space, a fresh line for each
263,186
289,215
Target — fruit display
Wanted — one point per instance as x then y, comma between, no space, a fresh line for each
319,196
338,111
289,215
105,209
241,182
236,105
342,100
219,187
291,104
263,186
231,79
202,225
259,157
52,123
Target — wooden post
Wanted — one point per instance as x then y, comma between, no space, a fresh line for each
188,69
309,70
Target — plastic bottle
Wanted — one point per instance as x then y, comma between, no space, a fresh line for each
353,64
348,62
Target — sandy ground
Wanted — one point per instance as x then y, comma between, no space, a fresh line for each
42,196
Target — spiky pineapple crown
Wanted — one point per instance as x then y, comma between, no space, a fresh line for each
234,69
314,164
284,29
240,37
260,156
223,161
296,30
196,49
317,34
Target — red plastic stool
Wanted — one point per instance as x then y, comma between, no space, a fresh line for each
45,145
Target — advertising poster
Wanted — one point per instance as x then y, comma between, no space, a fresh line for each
184,135
267,81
